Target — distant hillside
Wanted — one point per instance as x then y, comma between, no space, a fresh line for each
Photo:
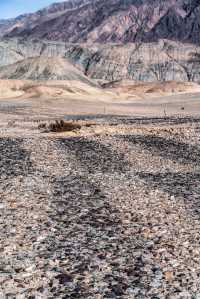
162,61
106,21
43,68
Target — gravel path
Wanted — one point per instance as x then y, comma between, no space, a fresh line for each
104,215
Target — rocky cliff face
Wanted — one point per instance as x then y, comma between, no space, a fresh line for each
118,21
183,27
160,61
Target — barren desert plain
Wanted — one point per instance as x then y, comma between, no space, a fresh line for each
100,149
109,206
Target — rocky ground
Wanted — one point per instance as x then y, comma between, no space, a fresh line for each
111,211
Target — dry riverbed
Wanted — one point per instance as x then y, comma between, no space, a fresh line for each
109,211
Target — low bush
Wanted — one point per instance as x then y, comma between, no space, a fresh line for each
60,126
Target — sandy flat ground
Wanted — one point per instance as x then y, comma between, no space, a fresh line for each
183,105
61,98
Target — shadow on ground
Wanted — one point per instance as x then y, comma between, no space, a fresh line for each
166,148
14,160
94,241
128,120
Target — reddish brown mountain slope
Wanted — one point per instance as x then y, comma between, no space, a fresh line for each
110,21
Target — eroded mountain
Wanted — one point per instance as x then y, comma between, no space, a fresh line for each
162,61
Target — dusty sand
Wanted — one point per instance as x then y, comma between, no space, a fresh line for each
56,99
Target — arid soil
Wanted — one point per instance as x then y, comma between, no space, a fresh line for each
108,211
39,100
77,88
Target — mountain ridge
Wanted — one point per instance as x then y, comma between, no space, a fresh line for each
31,19
118,21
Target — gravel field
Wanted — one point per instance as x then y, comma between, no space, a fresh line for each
110,211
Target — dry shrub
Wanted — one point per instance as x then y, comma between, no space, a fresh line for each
63,126
60,126
42,126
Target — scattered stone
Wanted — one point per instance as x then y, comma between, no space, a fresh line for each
113,215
